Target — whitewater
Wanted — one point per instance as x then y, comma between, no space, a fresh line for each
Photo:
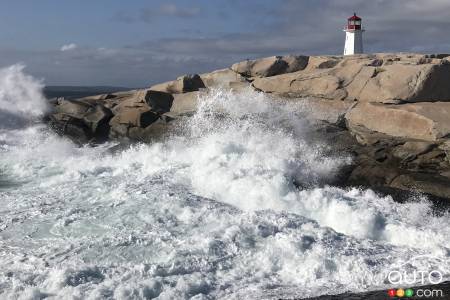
230,205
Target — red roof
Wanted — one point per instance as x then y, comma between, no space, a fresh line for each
354,18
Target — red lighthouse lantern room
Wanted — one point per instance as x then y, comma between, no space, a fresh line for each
354,23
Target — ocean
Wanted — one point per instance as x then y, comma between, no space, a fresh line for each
230,205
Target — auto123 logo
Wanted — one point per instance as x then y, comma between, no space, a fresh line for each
418,271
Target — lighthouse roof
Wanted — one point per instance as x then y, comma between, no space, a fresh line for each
354,17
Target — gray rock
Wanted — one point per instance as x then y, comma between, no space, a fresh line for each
410,150
159,102
222,78
183,84
422,121
426,183
271,66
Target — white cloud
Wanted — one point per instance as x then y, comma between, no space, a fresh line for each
69,47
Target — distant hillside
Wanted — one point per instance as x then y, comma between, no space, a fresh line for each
72,92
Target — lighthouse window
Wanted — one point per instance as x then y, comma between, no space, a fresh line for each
357,22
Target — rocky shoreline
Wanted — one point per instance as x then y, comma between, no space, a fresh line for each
390,112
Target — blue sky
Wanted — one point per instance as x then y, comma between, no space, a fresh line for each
136,43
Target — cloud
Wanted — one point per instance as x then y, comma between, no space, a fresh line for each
129,67
252,29
182,12
149,15
69,47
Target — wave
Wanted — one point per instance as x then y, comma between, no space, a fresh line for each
231,205
21,98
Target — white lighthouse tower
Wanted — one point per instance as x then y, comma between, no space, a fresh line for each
353,36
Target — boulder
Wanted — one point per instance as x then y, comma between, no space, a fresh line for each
183,84
222,78
411,149
67,125
159,102
407,83
271,66
264,67
154,131
93,118
101,97
372,174
97,119
141,117
184,104
316,85
280,84
127,101
122,123
80,120
295,62
436,185
75,109
322,62
423,121
332,112
130,103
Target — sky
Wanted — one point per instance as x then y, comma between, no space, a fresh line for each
137,43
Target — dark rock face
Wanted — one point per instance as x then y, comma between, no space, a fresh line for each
192,83
97,119
121,115
81,121
69,126
160,102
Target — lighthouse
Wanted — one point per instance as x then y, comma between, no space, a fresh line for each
353,36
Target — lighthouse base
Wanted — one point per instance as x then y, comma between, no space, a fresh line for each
353,42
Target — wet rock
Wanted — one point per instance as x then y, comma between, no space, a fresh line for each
135,118
222,78
155,131
76,109
433,184
332,112
410,150
67,125
97,119
90,275
80,120
184,104
370,173
159,102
